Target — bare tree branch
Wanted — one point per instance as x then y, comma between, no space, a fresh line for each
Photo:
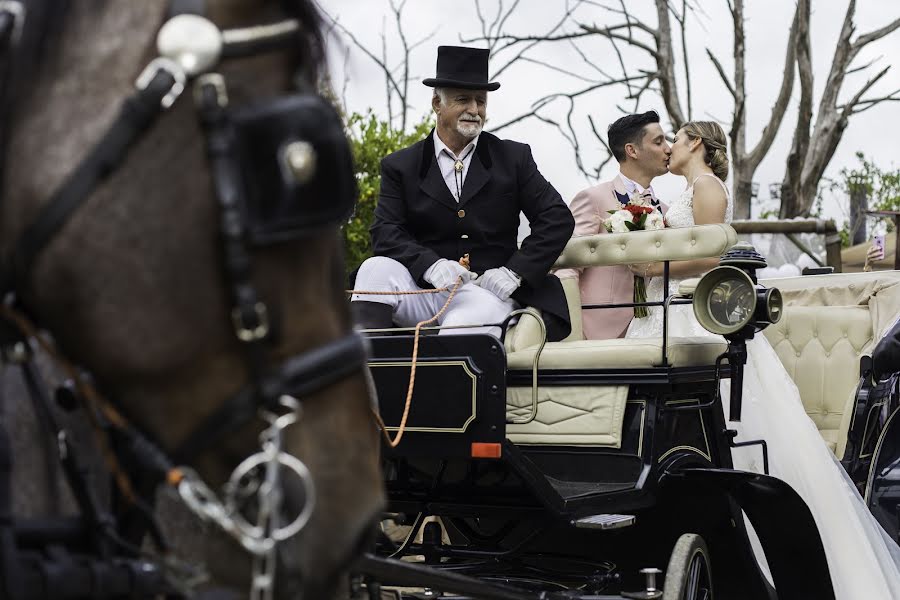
389,78
612,33
544,101
665,63
865,66
387,85
867,103
805,170
398,9
551,67
872,36
682,23
847,108
553,29
756,155
721,72
588,63
790,193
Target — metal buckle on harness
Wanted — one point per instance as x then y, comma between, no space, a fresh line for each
17,10
163,64
251,334
216,81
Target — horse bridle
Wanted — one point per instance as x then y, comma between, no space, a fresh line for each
190,47
263,160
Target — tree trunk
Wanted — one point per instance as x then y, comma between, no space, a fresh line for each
790,195
859,204
743,189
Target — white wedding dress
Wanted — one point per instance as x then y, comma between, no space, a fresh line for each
864,562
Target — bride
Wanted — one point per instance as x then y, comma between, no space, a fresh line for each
864,562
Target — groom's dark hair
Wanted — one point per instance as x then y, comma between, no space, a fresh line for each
628,130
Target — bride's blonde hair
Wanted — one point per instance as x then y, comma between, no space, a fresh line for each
714,142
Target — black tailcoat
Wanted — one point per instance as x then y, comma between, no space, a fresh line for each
418,221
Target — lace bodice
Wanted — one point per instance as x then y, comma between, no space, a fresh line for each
679,214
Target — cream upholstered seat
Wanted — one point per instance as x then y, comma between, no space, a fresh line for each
593,415
828,323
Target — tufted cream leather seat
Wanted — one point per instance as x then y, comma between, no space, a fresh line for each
829,322
820,348
592,416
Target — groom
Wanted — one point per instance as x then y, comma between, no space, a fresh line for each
639,145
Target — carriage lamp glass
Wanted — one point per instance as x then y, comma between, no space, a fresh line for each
725,300
731,303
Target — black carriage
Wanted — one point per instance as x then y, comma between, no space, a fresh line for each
597,469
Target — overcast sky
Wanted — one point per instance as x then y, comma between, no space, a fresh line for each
875,131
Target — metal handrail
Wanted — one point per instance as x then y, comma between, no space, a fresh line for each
534,365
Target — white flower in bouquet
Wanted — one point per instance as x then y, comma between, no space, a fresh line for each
616,221
654,220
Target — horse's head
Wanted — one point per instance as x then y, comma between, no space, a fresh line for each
154,279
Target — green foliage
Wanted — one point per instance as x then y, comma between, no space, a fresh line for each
371,139
881,186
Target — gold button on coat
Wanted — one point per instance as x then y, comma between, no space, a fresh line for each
461,213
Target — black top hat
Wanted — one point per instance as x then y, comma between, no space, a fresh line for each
461,67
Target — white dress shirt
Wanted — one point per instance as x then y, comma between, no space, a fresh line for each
446,160
632,186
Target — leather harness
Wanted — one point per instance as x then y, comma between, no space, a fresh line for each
303,152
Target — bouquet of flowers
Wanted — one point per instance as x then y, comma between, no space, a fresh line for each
635,215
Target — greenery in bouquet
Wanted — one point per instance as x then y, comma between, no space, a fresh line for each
638,214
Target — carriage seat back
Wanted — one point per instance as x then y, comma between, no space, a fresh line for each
593,415
828,323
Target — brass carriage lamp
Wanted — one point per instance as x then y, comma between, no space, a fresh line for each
730,302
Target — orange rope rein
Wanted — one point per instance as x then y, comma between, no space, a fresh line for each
393,443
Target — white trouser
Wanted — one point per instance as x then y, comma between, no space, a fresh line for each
472,304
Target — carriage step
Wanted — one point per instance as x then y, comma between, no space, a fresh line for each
604,521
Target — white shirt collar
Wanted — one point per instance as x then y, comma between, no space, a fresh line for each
440,146
632,186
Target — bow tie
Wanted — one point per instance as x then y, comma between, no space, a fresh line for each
624,198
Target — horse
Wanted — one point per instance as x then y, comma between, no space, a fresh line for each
131,286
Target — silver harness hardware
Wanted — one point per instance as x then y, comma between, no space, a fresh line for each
260,539
189,47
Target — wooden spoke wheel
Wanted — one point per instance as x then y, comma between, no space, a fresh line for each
688,576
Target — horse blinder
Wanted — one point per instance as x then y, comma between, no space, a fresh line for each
295,165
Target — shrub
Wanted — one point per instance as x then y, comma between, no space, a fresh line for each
371,139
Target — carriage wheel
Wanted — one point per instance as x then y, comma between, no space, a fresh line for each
688,576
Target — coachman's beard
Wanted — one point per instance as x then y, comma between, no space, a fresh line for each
469,129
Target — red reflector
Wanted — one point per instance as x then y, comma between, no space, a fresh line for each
485,450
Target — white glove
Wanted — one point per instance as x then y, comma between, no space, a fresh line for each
501,282
444,273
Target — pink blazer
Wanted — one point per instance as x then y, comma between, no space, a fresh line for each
601,285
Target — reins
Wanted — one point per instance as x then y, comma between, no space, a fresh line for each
393,443
310,154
